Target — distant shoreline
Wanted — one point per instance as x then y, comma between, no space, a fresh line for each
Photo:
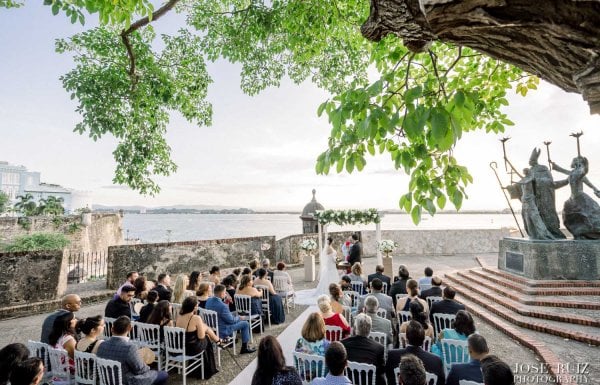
243,211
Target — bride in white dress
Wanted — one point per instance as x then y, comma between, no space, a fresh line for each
328,274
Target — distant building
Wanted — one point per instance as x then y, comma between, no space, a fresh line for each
16,180
309,222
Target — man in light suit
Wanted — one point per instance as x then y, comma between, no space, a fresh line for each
384,300
119,348
379,324
227,322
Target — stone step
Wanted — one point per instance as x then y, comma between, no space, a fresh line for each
540,283
489,300
547,356
510,282
584,301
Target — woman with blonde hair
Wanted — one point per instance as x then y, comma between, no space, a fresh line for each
338,299
412,288
356,275
330,318
313,339
180,291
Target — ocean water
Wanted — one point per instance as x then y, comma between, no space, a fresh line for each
188,227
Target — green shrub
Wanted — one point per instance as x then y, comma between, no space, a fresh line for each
38,241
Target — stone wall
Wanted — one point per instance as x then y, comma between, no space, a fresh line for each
105,230
32,276
184,257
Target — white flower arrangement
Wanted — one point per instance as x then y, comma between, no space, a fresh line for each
308,245
387,246
352,217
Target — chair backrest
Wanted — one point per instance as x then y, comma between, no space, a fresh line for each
354,296
357,286
333,333
174,340
109,372
347,313
280,283
243,304
425,286
430,378
108,323
59,361
176,307
360,374
265,294
431,299
442,321
85,368
379,337
210,318
309,366
384,288
39,350
396,375
381,312
146,335
454,352
135,306
467,382
403,316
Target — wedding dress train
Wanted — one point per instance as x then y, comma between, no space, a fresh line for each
328,274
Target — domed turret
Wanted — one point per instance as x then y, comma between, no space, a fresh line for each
309,222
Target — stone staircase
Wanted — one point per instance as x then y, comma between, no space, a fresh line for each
521,308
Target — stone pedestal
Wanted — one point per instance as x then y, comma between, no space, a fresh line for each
309,268
388,267
552,259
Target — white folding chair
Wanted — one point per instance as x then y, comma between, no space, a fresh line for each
85,368
396,375
243,305
176,307
148,336
109,372
357,286
431,299
454,352
442,321
265,301
41,350
280,284
426,344
384,288
403,316
347,313
309,366
211,319
467,382
108,323
333,333
381,312
175,353
360,374
430,378
136,304
354,298
59,362
381,338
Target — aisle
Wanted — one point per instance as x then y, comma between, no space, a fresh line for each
287,339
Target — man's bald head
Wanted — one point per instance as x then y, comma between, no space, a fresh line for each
71,302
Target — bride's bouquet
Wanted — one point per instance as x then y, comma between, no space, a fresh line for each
387,246
308,245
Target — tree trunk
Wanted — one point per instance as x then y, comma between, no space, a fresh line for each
557,40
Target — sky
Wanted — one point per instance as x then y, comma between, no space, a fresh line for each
260,151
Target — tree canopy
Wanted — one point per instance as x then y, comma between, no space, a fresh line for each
412,102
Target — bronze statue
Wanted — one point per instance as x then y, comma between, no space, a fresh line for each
534,225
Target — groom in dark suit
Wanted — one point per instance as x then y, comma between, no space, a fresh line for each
355,250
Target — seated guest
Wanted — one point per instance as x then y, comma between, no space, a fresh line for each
230,282
471,371
336,360
417,313
412,288
399,285
446,306
338,299
162,315
130,281
356,276
237,272
271,368
435,290
198,337
141,287
10,356
415,336
246,287
266,264
331,318
496,372
346,283
62,336
384,300
92,329
227,322
361,348
30,371
412,371
282,273
69,303
147,309
179,290
118,348
253,266
215,275
313,339
379,269
246,271
121,305
463,327
426,280
194,281
275,301
378,324
204,292
163,287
